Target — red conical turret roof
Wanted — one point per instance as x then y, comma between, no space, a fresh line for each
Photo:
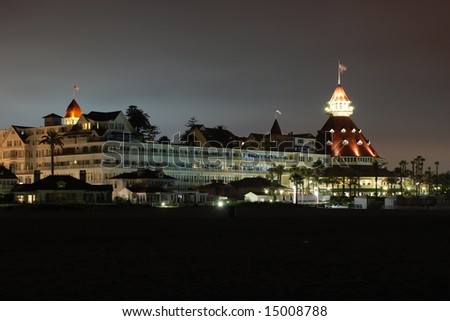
73,110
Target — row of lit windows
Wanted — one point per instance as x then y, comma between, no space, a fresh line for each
348,159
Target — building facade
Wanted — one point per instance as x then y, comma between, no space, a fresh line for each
105,145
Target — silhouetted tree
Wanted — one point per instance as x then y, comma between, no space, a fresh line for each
164,139
297,178
140,121
53,139
418,174
277,171
402,173
189,124
376,166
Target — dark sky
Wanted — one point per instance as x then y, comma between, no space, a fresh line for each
231,62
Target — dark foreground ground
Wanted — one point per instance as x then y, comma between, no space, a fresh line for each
263,253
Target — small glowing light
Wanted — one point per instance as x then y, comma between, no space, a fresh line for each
163,204
220,204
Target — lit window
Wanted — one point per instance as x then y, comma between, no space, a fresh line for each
343,130
353,130
359,142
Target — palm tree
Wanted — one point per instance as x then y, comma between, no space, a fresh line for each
307,173
376,166
437,173
277,170
53,139
391,180
419,164
402,173
318,171
297,178
334,180
419,161
437,167
429,179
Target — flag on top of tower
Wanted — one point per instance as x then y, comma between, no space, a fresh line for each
278,111
74,89
341,69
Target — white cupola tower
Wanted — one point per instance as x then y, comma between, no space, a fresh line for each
339,104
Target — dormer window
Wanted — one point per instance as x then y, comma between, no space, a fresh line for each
329,142
368,143
345,142
61,184
332,130
359,131
359,142
343,130
353,130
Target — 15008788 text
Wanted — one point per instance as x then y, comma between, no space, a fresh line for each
299,311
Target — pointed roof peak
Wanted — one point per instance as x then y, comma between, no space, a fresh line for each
339,94
73,110
276,129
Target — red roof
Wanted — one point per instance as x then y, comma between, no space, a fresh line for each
73,110
341,137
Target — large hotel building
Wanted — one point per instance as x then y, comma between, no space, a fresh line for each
102,145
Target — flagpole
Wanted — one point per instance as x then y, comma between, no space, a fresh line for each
74,89
277,112
339,72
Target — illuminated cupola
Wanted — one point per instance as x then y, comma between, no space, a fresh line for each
339,104
73,113
339,136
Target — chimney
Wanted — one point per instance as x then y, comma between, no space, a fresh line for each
83,175
36,175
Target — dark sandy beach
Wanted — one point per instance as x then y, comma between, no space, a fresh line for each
200,253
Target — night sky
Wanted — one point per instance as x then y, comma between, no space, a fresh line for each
233,62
